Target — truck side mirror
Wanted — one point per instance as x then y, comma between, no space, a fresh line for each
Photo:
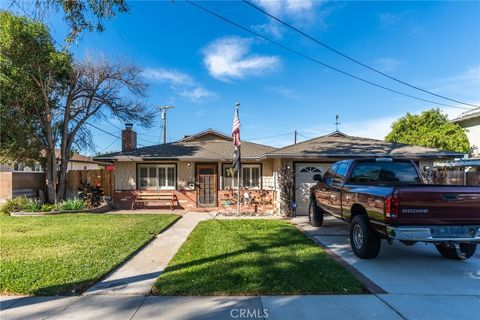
317,177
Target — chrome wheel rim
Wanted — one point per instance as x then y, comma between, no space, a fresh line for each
358,236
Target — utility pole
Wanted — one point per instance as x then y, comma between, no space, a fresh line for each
164,110
295,137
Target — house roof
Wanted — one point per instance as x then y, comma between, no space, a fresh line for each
206,145
340,145
470,114
75,157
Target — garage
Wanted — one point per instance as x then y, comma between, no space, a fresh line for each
304,173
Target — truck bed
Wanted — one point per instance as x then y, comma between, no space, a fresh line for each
438,205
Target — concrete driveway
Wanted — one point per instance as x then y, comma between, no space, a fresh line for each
419,282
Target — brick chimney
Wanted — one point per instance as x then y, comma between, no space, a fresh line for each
129,138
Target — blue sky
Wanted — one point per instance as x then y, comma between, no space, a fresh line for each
203,65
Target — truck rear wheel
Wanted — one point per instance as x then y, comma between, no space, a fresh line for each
449,251
315,214
364,240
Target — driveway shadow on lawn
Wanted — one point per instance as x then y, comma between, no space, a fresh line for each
280,260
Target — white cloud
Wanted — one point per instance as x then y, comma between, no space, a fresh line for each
463,86
287,7
272,28
180,83
298,12
169,76
285,92
375,129
229,58
197,94
407,20
387,64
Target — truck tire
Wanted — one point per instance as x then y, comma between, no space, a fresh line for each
448,251
315,214
364,240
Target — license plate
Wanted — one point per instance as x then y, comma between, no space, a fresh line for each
453,232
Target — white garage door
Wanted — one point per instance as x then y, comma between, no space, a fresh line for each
304,173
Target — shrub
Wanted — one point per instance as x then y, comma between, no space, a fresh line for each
15,204
72,204
47,207
33,205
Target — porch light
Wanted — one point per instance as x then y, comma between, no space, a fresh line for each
189,164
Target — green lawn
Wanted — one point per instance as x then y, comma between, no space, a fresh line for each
252,257
56,254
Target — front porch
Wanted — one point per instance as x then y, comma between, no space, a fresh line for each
258,201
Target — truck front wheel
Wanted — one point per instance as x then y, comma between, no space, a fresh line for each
449,251
315,214
364,240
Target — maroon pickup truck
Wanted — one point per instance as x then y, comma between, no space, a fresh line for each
387,199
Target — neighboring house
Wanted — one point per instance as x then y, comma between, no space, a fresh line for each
197,168
470,120
20,179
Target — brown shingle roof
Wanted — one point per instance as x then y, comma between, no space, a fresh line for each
75,157
207,145
340,145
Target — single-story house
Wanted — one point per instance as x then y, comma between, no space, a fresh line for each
470,120
197,168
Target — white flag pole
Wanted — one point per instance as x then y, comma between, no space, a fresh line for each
238,188
237,105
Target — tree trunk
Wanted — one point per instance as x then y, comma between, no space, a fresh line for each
50,175
62,179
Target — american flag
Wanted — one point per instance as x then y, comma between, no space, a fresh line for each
236,140
236,129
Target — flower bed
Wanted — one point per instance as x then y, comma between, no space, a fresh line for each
102,209
28,206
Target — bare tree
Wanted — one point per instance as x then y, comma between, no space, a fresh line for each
98,89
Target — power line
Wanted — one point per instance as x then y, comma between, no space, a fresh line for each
353,59
109,133
111,144
126,42
274,136
318,61
301,135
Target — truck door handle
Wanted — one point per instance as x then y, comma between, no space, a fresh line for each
450,197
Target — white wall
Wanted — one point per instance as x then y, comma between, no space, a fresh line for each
473,134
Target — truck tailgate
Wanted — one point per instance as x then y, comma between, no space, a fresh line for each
438,205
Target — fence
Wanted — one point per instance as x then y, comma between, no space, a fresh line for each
458,178
103,177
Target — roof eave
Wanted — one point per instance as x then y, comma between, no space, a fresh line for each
336,155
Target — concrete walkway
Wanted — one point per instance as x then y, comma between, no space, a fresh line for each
137,275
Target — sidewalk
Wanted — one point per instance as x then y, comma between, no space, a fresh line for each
335,307
137,275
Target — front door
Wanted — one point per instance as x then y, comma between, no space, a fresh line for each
206,185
